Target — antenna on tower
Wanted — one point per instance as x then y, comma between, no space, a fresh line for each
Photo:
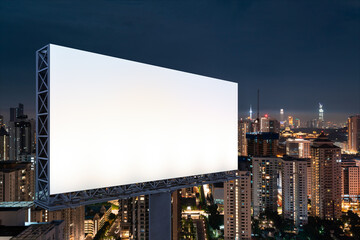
258,104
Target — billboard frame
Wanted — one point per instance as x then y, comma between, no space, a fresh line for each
84,197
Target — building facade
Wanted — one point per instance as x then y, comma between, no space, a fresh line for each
298,148
268,124
134,216
73,218
262,144
326,179
237,205
244,127
294,190
354,134
4,144
264,189
17,181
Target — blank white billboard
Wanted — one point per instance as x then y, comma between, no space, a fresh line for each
116,122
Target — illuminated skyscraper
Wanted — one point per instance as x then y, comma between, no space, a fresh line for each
17,181
290,121
354,133
4,144
262,144
244,127
264,189
321,112
294,190
268,124
134,216
74,219
351,180
237,203
250,112
326,179
321,116
20,139
298,148
282,120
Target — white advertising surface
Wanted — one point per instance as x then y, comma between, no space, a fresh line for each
116,122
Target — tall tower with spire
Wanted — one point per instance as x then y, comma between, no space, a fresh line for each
321,116
250,113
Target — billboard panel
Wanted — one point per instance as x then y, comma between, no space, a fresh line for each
116,122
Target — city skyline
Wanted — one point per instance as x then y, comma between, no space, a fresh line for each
298,54
179,119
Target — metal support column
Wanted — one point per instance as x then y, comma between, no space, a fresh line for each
160,216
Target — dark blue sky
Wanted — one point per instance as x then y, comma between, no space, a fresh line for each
298,53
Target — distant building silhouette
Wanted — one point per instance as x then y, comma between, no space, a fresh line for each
4,144
354,134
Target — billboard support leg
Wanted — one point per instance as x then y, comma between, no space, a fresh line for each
160,216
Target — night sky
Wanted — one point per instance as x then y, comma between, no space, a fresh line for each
299,53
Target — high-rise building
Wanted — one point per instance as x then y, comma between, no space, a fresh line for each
282,119
290,122
73,218
297,123
125,216
17,112
237,203
354,134
351,180
326,178
53,230
134,215
321,116
17,181
21,134
4,144
264,189
250,113
262,143
294,190
268,124
20,140
298,148
176,214
309,178
244,127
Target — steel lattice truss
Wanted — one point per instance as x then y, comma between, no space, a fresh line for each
74,199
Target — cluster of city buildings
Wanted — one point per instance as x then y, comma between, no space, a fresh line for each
294,174
280,169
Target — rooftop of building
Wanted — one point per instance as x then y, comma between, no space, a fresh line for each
11,165
326,146
262,135
15,206
322,141
290,158
36,230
